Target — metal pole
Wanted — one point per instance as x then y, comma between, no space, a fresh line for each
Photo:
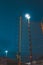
42,26
19,55
30,44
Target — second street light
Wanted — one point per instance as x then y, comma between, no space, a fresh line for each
6,52
27,16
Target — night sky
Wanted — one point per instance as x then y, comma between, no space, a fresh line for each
10,10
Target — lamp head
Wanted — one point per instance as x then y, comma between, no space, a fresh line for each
27,16
6,51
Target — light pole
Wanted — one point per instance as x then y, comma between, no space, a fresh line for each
42,25
19,44
6,52
29,33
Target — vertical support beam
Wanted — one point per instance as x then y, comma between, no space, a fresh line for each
30,41
19,50
42,26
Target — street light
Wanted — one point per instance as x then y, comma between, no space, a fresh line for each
27,16
6,52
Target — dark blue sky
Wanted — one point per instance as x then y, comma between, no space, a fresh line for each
10,10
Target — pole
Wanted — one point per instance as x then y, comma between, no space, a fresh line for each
42,26
19,55
30,41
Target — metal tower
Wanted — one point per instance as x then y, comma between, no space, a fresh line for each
30,41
